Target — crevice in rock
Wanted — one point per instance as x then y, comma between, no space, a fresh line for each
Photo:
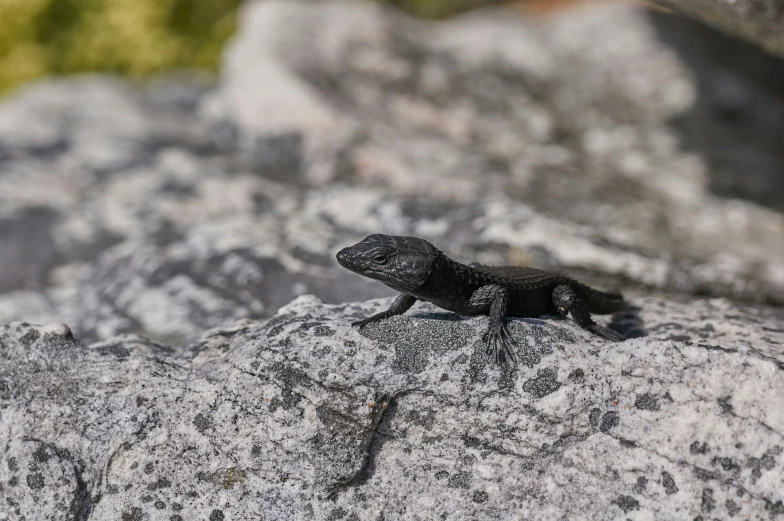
712,475
778,363
728,409
81,507
82,502
378,438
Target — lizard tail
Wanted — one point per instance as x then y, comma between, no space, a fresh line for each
601,302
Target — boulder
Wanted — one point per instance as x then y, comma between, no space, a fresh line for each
642,162
303,417
172,224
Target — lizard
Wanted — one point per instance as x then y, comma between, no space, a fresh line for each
419,271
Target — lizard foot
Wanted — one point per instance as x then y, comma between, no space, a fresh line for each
369,320
498,343
362,323
604,332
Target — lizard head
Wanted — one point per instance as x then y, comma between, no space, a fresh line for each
402,263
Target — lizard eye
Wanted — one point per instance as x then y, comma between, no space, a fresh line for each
380,259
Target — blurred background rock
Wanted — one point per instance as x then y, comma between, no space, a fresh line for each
632,147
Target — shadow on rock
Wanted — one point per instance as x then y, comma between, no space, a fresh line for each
737,121
628,322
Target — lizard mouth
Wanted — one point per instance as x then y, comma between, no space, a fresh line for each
349,259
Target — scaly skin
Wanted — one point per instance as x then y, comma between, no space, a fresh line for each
419,271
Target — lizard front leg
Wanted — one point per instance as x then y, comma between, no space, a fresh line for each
567,301
493,299
401,304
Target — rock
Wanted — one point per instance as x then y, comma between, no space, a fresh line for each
425,108
756,21
303,417
207,277
143,216
180,206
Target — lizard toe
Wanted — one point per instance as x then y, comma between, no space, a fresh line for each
359,324
508,351
508,337
606,333
499,345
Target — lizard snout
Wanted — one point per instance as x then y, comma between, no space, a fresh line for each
345,257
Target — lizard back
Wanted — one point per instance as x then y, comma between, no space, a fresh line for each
530,289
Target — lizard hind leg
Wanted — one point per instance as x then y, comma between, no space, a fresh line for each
567,301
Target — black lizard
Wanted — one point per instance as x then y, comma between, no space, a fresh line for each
419,271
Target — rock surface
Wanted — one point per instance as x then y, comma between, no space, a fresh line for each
643,162
143,216
304,417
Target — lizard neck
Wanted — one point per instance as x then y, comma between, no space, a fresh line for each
450,285
450,273
468,276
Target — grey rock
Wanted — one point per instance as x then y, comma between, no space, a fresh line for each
173,208
207,277
758,21
303,417
28,248
530,108
145,216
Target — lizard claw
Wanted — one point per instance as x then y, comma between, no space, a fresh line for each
498,343
369,320
362,323
606,333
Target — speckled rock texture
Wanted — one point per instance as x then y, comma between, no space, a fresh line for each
647,161
302,417
759,21
171,225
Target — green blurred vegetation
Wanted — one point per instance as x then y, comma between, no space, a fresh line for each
132,37
441,8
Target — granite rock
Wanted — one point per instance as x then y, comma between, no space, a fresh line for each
644,162
641,134
303,417
170,225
